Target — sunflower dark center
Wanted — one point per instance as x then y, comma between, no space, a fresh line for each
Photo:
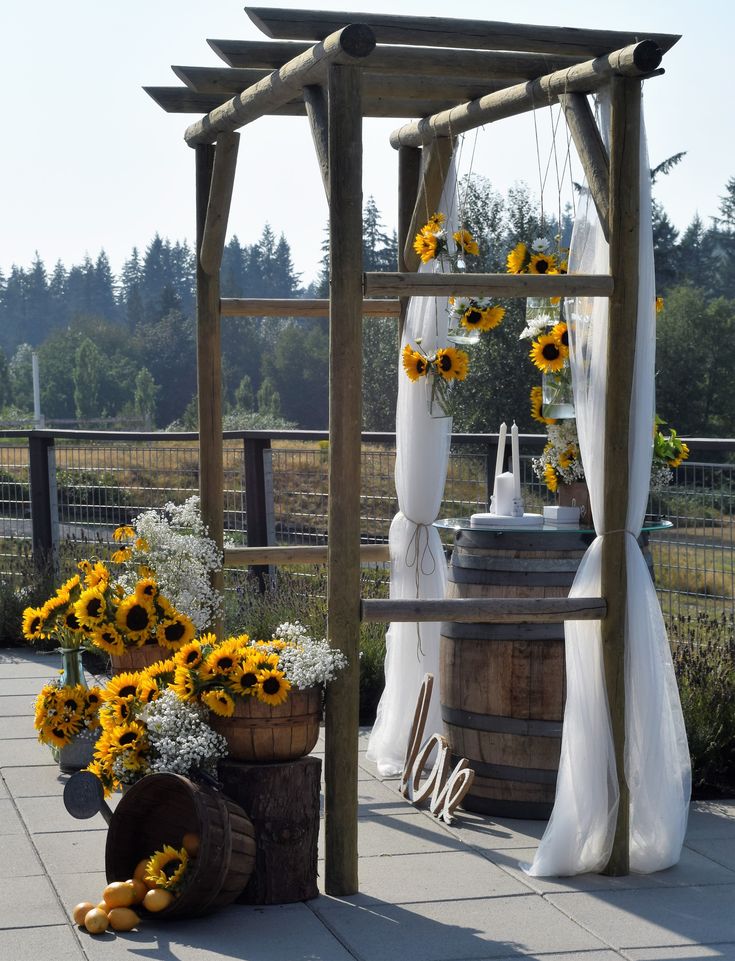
137,618
174,632
71,704
35,624
473,316
271,685
420,366
565,338
248,679
550,352
191,657
224,663
127,738
94,606
71,621
171,867
542,266
128,691
445,362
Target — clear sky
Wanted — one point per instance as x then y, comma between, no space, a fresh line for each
88,161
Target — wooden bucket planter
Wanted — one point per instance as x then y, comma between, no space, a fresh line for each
159,809
262,733
503,685
137,658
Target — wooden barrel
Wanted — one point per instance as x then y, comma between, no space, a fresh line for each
270,733
160,809
137,658
503,685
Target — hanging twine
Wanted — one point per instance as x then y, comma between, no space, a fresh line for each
415,557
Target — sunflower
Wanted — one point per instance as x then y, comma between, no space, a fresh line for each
123,533
176,632
218,701
160,668
146,589
70,620
517,260
546,354
434,224
273,687
659,304
560,333
452,364
130,738
537,400
96,574
53,735
487,318
166,869
414,363
245,680
119,557
220,663
122,686
550,478
109,640
190,655
183,685
542,264
141,544
466,242
425,244
33,621
135,617
90,608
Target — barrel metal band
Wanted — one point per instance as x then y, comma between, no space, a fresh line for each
501,724
505,772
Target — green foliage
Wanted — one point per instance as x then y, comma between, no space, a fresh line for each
144,397
704,660
26,587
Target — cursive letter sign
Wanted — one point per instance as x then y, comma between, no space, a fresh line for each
445,790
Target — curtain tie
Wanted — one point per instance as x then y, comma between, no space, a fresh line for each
416,556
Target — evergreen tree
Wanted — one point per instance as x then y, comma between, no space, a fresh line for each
38,302
244,396
665,250
131,296
5,393
88,362
20,371
269,401
144,397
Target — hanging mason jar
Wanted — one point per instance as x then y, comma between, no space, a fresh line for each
465,319
542,312
557,396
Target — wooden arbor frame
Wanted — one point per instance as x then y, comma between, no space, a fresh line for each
452,76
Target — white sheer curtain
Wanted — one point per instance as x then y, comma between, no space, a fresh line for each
579,835
417,565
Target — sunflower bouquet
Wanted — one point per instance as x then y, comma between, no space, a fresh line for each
64,712
468,316
669,450
441,368
89,610
216,673
536,258
147,729
432,242
560,461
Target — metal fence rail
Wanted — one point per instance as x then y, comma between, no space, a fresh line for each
66,491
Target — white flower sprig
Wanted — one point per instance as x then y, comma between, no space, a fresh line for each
181,740
305,661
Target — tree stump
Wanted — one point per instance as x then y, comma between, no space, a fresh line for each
282,801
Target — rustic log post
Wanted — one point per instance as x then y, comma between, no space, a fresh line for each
209,368
316,110
591,150
345,420
409,169
256,508
39,478
624,243
435,159
218,204
389,284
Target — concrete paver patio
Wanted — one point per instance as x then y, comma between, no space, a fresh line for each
428,892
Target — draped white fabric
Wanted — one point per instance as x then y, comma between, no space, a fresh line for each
417,564
580,832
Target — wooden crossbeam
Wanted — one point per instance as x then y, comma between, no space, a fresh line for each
298,307
385,284
435,161
281,23
493,610
346,46
591,151
638,60
315,98
218,206
298,554
406,61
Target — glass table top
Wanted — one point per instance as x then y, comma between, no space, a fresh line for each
650,524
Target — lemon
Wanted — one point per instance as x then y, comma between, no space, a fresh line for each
157,900
81,911
190,842
139,887
119,894
96,921
123,919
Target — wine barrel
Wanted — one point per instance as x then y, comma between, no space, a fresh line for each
503,685
159,810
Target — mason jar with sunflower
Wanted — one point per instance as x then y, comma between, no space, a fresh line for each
439,371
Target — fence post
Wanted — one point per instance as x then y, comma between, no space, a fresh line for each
256,501
40,453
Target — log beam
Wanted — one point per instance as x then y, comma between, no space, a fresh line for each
435,160
218,205
298,307
298,554
493,610
282,23
591,150
409,171
316,110
345,423
625,173
350,44
386,284
638,60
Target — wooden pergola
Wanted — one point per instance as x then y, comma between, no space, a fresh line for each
451,76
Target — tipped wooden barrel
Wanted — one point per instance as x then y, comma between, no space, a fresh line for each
159,810
503,685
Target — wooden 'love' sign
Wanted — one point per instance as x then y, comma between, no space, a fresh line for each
445,790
